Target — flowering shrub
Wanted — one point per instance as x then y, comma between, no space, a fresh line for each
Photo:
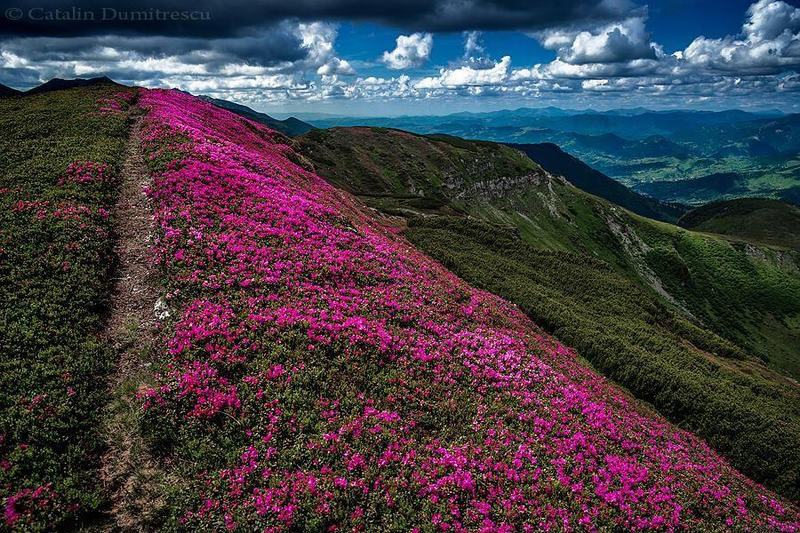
82,172
322,374
635,340
117,103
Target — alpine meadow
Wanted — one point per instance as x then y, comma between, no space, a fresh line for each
440,266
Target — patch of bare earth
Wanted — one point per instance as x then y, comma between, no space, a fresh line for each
128,474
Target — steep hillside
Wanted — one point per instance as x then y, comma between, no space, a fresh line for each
290,126
701,189
555,161
389,169
674,293
311,370
59,165
394,163
323,374
754,219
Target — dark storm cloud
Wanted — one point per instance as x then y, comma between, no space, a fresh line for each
217,18
273,45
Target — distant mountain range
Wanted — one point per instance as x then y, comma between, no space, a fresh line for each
629,123
640,147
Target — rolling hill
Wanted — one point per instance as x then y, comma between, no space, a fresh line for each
409,170
757,220
8,91
58,84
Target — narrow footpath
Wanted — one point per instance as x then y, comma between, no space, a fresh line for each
127,473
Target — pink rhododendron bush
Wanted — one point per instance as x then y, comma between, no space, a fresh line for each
321,374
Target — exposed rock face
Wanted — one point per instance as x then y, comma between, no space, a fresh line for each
637,249
458,189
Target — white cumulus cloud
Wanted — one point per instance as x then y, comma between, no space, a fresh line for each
411,51
769,42
467,76
617,42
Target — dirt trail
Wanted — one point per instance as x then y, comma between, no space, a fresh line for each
127,473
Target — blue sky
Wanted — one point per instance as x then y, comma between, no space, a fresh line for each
673,23
424,57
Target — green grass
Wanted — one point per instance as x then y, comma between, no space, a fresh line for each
386,162
55,270
745,293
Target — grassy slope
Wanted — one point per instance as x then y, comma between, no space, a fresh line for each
266,423
415,171
752,219
762,152
606,305
55,265
749,294
389,168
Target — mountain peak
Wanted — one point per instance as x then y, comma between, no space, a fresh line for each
58,84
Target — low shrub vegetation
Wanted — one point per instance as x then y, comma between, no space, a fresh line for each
59,156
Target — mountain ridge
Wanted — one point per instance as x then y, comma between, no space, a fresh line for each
641,149
290,126
5,90
315,358
755,219
60,84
